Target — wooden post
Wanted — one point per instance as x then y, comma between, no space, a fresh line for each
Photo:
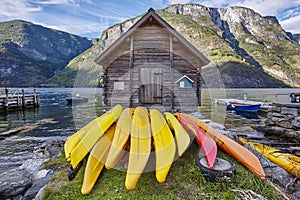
130,69
6,98
18,98
23,98
34,98
172,72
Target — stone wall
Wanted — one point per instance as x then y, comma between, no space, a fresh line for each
283,120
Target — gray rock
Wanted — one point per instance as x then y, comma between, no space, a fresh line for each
49,149
32,165
284,124
40,195
14,182
277,174
276,130
276,109
289,111
296,122
37,186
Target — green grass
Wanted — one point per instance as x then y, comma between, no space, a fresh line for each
184,181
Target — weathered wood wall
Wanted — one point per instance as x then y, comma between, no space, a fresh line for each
146,67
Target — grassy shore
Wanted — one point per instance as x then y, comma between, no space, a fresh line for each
184,181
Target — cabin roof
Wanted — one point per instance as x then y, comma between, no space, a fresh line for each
184,77
151,13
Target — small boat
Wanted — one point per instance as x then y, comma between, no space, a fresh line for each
243,107
73,100
289,162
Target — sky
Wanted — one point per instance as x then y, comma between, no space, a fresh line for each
89,18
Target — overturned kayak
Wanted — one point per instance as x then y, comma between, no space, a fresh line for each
207,144
121,138
181,136
96,160
92,135
243,155
289,162
164,145
140,146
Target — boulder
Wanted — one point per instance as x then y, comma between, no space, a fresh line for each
49,149
14,182
296,122
37,186
289,111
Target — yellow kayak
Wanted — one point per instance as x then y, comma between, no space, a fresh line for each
164,144
243,155
140,147
121,137
93,134
182,137
74,139
289,162
96,160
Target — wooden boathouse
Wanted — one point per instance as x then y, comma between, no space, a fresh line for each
152,65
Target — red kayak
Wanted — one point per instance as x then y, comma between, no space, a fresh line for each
207,144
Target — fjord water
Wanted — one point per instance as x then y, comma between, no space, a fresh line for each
55,119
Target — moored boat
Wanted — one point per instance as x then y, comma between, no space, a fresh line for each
73,100
243,107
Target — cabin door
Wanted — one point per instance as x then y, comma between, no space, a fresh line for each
151,80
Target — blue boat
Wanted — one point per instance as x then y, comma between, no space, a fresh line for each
243,107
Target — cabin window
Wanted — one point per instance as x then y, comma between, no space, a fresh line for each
184,82
181,84
118,85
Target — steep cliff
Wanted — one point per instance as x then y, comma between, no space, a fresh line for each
246,44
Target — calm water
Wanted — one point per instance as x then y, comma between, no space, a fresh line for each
14,150
53,107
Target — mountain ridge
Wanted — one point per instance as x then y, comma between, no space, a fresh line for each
30,54
237,40
227,36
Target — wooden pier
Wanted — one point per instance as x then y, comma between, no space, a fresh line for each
17,99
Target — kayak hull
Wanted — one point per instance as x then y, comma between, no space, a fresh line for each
164,145
96,160
181,136
121,138
140,146
207,144
289,162
243,155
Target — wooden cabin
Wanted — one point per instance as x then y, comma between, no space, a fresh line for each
154,66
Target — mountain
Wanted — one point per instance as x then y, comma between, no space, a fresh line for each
297,37
31,54
248,50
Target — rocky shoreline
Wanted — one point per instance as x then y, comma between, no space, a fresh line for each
283,120
27,181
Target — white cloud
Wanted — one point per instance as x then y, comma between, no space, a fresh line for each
264,7
178,1
291,24
87,28
17,9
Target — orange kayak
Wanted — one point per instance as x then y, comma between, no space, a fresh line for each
243,155
207,144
